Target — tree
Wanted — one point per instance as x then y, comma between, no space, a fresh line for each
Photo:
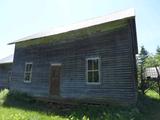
143,55
141,61
157,56
146,60
158,50
150,61
153,61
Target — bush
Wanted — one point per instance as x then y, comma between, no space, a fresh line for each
3,95
24,97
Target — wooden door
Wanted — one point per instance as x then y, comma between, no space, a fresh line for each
55,80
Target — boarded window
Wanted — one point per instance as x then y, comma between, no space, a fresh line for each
93,70
28,72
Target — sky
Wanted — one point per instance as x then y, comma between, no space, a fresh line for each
21,18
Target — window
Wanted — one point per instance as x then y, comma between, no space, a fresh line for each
93,70
28,72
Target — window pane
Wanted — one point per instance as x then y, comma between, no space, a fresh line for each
90,76
95,64
27,76
28,67
93,70
96,76
89,64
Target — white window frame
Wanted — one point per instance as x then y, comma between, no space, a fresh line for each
99,69
56,64
28,72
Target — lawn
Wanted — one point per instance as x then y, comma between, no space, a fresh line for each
17,106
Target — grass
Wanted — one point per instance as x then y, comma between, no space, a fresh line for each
18,106
153,94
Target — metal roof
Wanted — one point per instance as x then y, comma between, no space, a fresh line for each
152,72
8,59
88,23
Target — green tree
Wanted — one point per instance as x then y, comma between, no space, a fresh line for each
158,50
143,55
153,60
157,56
150,61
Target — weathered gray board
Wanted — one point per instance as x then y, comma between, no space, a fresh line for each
5,75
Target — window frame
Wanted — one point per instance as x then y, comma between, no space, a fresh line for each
99,70
25,81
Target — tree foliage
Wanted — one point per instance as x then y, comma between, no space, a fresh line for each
146,60
143,55
151,60
158,50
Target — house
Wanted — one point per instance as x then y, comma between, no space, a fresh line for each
91,61
5,71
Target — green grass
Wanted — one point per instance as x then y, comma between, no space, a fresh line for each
18,106
19,114
152,94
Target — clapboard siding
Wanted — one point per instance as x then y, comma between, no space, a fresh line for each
4,75
115,50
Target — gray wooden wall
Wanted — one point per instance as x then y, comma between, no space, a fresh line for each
4,75
115,49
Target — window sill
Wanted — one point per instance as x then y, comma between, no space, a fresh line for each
26,81
93,83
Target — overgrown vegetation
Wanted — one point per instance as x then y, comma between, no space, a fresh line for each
148,60
18,106
153,59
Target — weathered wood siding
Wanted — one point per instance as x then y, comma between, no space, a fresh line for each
115,50
4,75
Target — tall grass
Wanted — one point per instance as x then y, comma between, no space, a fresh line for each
19,106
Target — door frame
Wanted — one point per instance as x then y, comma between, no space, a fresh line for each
52,65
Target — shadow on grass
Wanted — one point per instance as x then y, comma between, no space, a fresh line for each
79,112
147,104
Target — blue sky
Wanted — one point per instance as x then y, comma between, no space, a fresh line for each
20,18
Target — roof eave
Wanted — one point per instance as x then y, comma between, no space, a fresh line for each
89,23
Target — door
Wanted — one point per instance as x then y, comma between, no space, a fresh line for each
55,80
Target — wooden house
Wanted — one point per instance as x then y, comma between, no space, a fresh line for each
91,61
5,71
